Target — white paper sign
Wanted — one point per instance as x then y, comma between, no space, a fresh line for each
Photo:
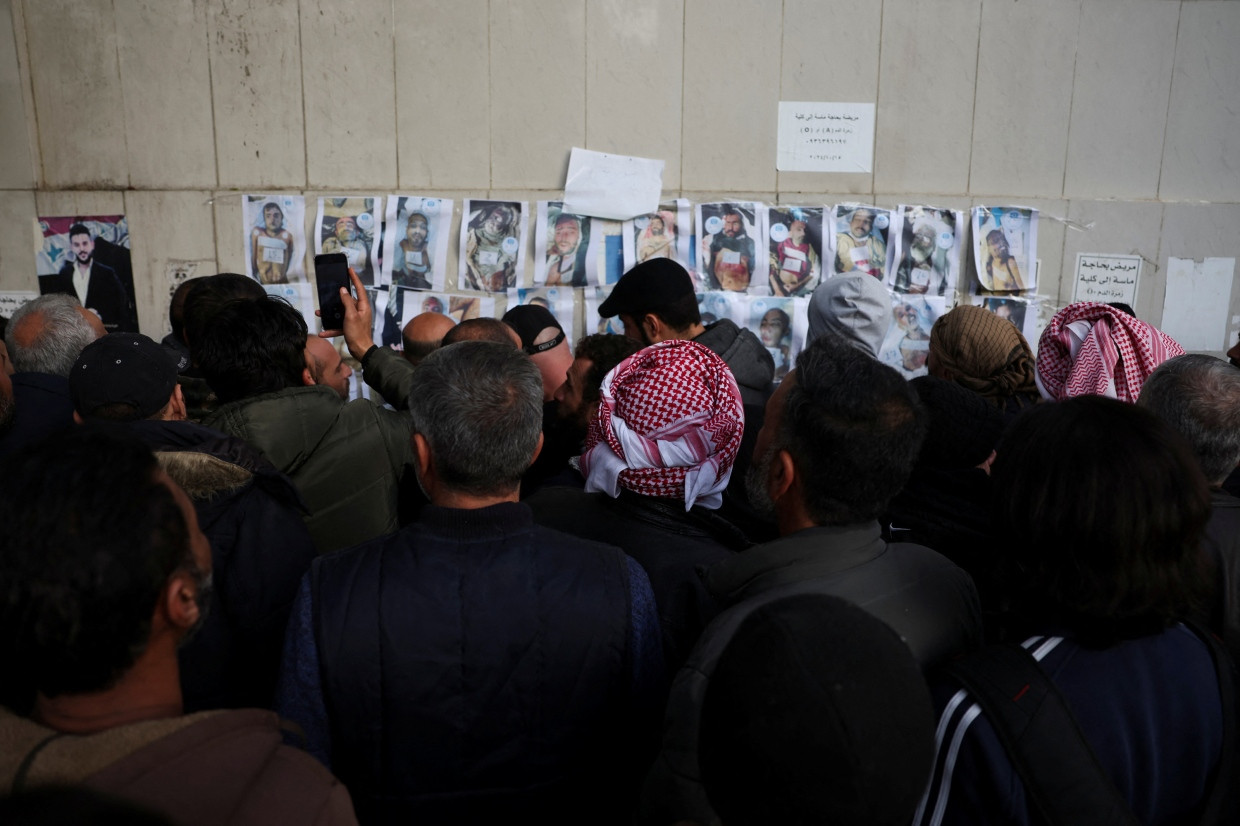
10,301
1195,307
1106,278
618,187
825,137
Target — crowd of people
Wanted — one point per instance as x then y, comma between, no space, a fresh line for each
638,580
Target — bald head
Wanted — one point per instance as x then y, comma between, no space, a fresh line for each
424,334
326,367
483,329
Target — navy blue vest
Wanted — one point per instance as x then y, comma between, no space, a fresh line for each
475,666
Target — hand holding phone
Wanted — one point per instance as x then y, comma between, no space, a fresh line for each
331,272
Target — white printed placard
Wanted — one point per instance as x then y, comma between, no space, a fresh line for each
1106,278
816,136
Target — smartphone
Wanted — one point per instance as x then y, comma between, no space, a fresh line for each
331,272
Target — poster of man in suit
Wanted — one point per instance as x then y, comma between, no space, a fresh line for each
88,256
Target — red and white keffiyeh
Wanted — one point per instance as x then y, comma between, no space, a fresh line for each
669,424
1093,349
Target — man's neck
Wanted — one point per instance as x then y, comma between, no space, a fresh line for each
150,690
467,501
84,265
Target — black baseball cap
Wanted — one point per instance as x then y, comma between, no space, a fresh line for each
529,320
126,368
648,287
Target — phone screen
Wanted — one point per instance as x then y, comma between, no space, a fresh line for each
331,272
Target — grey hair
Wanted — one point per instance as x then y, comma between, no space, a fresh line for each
479,406
1199,396
60,334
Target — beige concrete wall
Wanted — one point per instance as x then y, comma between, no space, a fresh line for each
1120,117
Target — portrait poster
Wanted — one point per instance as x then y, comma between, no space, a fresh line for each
1005,243
556,300
860,240
302,296
88,256
661,234
275,238
780,324
351,225
455,306
594,323
927,250
795,234
1021,311
730,236
492,255
907,344
415,242
564,247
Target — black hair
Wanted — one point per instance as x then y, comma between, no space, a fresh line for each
604,351
78,229
252,347
90,537
679,314
1103,506
853,427
176,308
208,294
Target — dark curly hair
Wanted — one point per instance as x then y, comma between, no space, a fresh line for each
90,537
252,347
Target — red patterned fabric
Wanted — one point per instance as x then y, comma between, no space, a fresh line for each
1113,356
669,424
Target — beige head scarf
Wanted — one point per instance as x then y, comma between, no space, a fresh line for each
984,353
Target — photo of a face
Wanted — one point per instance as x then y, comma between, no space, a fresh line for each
860,240
907,344
728,244
795,243
1005,244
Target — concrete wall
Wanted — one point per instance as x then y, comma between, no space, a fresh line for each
1119,119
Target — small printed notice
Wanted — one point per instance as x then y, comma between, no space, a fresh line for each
825,137
1195,307
1106,278
617,187
11,301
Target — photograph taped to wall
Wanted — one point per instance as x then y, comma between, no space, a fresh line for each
662,234
859,241
795,234
1005,243
594,323
780,324
1021,311
491,256
730,235
88,256
564,244
415,243
714,305
556,300
907,344
610,250
351,225
274,228
927,250
455,306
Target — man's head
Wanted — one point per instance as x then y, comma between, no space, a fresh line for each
477,419
346,230
669,425
499,219
252,347
774,326
325,367
997,244
840,438
1199,396
861,223
273,217
596,356
855,307
208,294
797,232
733,222
483,329
924,240
431,304
424,334
81,244
176,308
655,301
543,339
1102,506
47,335
125,377
417,229
100,554
567,234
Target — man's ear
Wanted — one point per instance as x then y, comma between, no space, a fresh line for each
180,601
537,448
77,418
653,327
783,474
422,455
307,378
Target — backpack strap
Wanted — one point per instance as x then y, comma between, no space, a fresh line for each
1064,782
